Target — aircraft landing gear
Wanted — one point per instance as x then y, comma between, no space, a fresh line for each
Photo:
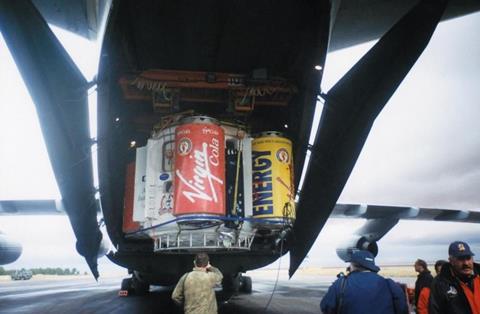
135,285
233,284
245,284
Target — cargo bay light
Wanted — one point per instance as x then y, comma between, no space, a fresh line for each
201,183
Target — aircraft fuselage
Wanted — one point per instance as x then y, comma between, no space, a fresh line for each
260,42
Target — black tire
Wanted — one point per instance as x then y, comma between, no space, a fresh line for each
139,287
231,283
126,284
246,284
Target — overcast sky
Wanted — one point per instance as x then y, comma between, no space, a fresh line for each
424,150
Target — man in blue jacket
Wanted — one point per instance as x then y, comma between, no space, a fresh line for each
363,291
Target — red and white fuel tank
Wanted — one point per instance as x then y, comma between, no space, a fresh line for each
199,186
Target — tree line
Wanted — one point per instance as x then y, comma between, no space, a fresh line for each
44,271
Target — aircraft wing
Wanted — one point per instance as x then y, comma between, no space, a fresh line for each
31,207
404,212
55,207
358,21
380,219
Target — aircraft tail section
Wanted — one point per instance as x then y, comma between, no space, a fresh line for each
59,91
351,107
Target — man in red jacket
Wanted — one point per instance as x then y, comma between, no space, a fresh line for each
457,288
422,304
424,279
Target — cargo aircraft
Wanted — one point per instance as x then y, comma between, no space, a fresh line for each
204,114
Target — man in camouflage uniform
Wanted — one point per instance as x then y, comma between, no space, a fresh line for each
195,289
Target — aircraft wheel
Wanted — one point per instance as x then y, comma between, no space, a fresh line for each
230,287
231,283
140,287
126,284
135,286
246,284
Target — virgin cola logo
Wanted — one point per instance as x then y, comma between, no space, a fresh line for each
184,146
201,185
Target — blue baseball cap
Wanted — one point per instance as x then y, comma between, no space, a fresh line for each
459,249
364,259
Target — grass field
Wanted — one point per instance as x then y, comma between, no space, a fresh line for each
388,271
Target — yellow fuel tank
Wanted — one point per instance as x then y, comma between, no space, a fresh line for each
272,176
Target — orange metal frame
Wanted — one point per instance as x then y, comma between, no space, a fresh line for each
141,87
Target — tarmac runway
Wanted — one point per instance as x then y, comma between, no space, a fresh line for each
84,295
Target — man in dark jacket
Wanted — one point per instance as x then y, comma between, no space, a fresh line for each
438,266
457,288
363,291
424,279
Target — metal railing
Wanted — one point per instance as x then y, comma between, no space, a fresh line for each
203,239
